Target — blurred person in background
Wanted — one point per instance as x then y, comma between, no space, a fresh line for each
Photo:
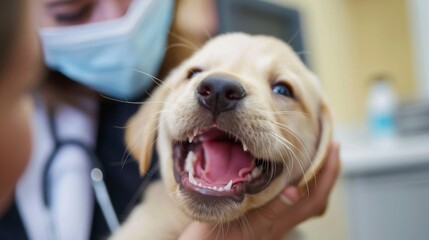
20,69
93,48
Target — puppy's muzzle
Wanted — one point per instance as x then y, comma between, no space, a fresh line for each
219,94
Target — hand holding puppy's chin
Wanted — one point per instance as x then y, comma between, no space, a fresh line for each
278,217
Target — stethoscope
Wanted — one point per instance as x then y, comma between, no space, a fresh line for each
98,184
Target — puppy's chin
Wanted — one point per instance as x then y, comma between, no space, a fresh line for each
205,208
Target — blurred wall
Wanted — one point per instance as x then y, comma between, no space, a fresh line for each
418,11
351,41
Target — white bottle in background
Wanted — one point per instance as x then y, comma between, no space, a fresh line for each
381,108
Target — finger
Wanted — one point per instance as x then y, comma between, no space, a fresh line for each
316,203
289,196
277,208
329,172
287,210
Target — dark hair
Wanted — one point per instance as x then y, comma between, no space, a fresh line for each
11,12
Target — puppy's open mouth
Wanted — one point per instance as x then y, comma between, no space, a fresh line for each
214,163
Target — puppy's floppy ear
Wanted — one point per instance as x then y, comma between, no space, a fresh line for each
323,144
141,132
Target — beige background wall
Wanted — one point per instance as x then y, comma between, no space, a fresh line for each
351,41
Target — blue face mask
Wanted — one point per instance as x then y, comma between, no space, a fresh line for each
114,57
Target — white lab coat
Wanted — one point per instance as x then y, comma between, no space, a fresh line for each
71,211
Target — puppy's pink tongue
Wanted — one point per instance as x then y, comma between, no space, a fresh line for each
225,161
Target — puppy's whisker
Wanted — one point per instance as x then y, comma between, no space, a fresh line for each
305,147
146,118
296,136
154,130
283,142
154,79
249,226
292,131
155,102
138,136
131,147
248,231
119,100
137,139
304,53
273,170
128,150
285,163
217,227
221,228
208,34
295,157
279,111
130,124
195,46
294,36
174,45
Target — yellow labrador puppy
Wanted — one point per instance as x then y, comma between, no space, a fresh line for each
233,125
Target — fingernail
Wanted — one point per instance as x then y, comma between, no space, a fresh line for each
289,195
285,200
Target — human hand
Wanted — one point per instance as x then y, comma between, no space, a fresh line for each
280,215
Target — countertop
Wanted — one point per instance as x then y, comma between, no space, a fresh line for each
362,154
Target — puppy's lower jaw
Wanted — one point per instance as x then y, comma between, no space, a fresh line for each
215,170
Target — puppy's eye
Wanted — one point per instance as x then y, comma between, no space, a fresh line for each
193,72
283,89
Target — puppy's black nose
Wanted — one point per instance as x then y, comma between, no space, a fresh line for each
219,94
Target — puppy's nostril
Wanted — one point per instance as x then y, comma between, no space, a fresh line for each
204,90
235,94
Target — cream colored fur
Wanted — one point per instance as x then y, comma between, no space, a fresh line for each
295,132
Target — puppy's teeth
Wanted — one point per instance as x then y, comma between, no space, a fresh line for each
192,179
195,132
214,188
190,139
200,185
220,189
193,159
256,172
249,177
229,185
190,159
245,147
